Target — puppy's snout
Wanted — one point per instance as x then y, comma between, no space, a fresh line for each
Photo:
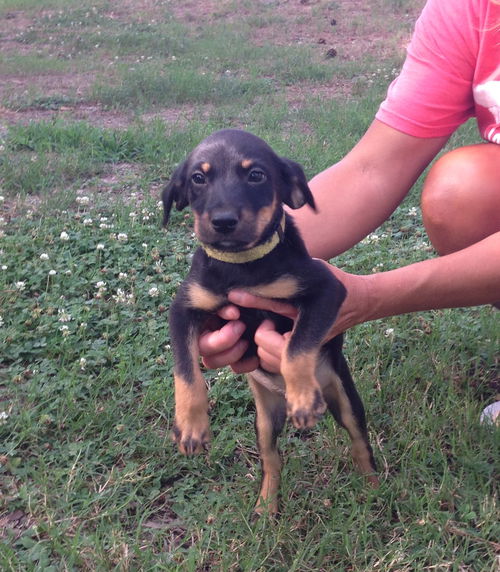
224,221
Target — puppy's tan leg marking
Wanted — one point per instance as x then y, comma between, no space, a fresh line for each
360,448
270,418
305,403
191,430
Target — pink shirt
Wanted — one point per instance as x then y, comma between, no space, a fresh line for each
451,73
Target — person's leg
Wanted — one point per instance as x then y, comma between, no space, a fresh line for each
461,197
461,206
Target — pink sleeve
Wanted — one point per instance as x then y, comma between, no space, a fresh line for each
433,95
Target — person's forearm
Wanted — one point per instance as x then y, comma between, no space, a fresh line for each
356,195
468,277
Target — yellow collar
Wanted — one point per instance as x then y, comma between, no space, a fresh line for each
251,254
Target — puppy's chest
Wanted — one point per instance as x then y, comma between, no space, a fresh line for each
220,279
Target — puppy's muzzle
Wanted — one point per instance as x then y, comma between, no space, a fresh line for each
224,221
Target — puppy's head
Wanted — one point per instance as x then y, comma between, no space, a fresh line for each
236,186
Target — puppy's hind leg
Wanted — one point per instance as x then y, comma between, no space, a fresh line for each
270,418
347,408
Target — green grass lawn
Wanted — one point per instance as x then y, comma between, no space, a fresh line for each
89,479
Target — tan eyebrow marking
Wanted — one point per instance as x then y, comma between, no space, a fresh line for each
246,163
205,167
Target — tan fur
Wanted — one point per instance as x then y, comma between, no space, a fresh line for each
305,404
203,299
285,287
268,451
192,432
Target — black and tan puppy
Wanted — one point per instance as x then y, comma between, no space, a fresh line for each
236,186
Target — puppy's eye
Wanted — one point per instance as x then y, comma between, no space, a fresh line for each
256,176
198,178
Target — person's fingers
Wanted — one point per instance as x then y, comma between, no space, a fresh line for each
247,300
270,345
217,341
245,365
229,312
230,357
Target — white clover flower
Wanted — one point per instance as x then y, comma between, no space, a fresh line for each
389,332
122,237
101,289
64,316
123,298
413,211
122,275
5,267
105,225
120,297
133,215
52,272
371,238
2,221
64,236
159,205
3,417
21,285
83,363
64,331
100,246
84,200
1,322
2,198
153,292
377,267
44,256
103,219
144,245
87,221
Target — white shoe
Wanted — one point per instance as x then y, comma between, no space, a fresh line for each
491,414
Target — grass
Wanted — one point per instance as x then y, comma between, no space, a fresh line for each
89,479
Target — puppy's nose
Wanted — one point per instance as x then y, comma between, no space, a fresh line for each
224,221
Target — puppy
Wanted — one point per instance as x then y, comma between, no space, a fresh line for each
236,186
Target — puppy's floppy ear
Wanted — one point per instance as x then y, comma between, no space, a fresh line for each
175,192
295,190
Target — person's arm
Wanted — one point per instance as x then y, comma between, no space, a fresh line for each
356,195
468,277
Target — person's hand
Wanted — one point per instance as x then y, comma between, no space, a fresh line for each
223,346
270,344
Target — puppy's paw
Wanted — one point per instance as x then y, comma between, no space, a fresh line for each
193,438
306,408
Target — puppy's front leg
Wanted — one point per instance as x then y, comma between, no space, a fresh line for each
191,429
317,312
304,399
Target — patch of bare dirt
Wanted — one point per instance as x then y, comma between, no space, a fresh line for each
345,30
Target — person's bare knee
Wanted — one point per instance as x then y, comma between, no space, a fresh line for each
461,197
